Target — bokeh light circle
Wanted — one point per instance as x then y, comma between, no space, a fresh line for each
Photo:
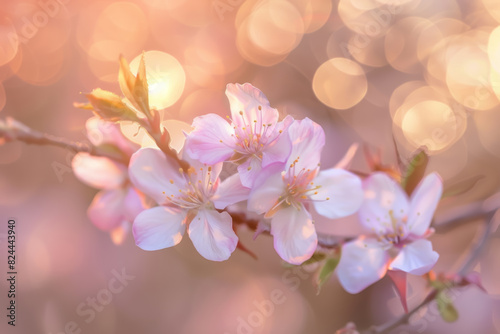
268,31
401,44
494,48
315,13
340,83
430,123
468,78
166,78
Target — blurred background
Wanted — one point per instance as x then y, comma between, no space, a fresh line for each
375,72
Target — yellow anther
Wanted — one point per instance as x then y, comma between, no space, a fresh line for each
171,181
328,198
249,167
260,107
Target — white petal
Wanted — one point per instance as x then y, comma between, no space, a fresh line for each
416,258
280,145
99,172
205,174
362,263
155,174
295,238
198,165
210,141
230,191
424,201
212,234
308,139
107,209
253,103
159,227
267,189
382,196
249,171
340,194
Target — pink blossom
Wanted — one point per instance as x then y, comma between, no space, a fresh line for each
285,193
115,207
254,139
187,200
398,228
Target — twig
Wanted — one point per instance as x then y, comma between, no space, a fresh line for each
14,130
467,213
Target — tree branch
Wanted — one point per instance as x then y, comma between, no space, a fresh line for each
466,213
11,130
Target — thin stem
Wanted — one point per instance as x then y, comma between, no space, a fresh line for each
467,213
39,138
30,136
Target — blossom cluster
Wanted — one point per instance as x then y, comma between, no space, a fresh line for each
278,178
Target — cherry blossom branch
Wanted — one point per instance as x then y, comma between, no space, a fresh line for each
11,130
461,274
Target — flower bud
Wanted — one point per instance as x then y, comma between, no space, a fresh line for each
109,106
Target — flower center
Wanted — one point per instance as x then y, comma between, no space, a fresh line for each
251,137
395,232
197,189
299,186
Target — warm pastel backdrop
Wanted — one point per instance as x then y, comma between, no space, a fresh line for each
426,72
